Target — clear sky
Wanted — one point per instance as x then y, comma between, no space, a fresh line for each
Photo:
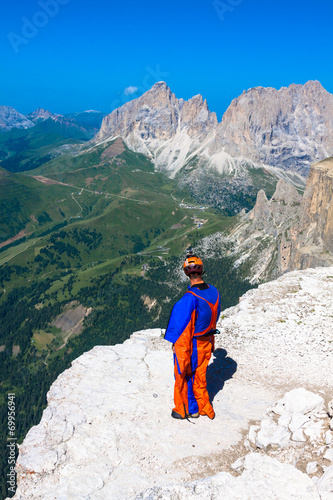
73,55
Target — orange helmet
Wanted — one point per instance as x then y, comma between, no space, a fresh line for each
193,265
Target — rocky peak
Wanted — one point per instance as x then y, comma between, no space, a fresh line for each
10,118
40,115
273,216
288,128
286,193
161,126
314,244
288,231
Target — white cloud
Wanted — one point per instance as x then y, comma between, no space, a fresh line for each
130,90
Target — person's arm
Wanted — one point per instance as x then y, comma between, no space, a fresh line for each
180,330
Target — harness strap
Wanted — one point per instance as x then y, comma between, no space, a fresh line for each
213,308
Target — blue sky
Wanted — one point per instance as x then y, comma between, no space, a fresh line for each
72,55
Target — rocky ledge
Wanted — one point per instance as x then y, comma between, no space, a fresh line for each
107,430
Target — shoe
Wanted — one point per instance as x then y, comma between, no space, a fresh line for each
194,415
174,414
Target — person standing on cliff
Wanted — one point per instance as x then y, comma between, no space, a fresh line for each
191,330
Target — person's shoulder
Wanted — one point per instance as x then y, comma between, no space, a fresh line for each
187,298
212,286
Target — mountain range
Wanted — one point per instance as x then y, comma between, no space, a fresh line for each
265,135
288,128
89,121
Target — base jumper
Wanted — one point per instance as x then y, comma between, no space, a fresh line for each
191,330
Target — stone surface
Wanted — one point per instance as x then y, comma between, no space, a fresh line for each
282,332
300,402
329,454
311,468
110,414
263,477
325,484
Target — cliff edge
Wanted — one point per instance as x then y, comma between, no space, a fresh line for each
107,430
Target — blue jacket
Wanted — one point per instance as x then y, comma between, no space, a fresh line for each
194,315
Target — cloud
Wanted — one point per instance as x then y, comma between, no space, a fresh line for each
130,90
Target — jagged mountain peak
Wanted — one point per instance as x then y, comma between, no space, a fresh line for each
160,125
286,192
288,128
10,118
41,114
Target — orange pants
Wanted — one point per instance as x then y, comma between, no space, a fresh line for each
190,393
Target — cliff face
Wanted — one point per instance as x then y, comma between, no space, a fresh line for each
288,231
312,237
288,128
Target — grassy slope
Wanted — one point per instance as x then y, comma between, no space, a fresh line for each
123,199
22,150
23,200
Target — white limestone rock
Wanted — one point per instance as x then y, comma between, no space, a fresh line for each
270,348
253,433
311,467
271,434
265,433
299,401
325,484
298,436
314,430
263,477
238,465
297,421
328,437
105,434
329,454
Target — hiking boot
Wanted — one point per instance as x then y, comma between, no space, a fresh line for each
194,415
174,414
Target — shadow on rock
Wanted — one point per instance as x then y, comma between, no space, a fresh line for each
221,369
